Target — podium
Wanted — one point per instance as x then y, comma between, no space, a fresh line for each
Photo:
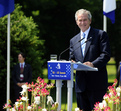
63,70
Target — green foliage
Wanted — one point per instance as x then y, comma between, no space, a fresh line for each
24,38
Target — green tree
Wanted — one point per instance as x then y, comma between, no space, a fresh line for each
24,38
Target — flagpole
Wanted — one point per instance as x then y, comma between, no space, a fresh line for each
8,59
104,23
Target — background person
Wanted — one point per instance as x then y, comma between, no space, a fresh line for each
21,74
90,86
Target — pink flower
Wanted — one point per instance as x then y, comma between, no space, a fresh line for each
115,82
44,92
6,106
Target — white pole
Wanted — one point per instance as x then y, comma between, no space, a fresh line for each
8,59
58,93
105,23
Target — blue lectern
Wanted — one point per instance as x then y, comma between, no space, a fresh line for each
63,70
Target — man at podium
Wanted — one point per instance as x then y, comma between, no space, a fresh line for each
91,47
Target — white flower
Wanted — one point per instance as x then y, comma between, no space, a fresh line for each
77,109
56,104
50,99
21,103
29,108
24,99
103,104
17,104
44,110
118,93
22,92
24,87
37,100
118,89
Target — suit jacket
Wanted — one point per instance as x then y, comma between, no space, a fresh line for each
27,73
97,51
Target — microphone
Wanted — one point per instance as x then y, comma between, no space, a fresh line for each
69,47
81,45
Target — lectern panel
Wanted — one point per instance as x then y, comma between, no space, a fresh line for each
58,70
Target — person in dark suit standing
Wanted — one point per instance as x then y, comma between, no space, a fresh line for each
21,74
90,86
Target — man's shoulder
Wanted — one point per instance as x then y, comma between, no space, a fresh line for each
27,65
97,30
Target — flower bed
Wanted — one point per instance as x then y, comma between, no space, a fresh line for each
111,100
42,101
40,91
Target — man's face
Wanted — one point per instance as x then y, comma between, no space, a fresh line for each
20,58
83,22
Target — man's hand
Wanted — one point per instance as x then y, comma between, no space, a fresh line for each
20,84
73,61
88,64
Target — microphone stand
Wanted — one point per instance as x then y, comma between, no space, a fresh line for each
69,48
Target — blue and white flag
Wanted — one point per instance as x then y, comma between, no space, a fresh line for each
6,7
109,7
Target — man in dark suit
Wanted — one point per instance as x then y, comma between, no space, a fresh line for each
90,86
21,74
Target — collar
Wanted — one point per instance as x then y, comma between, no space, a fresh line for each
86,32
22,63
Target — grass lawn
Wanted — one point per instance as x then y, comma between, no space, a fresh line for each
111,68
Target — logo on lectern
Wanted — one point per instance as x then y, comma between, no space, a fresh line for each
58,66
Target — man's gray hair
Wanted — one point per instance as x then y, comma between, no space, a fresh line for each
83,11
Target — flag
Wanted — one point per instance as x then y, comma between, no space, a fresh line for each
6,7
109,7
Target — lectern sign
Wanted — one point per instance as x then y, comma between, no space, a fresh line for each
59,70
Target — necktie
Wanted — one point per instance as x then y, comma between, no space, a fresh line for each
83,44
21,73
22,68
